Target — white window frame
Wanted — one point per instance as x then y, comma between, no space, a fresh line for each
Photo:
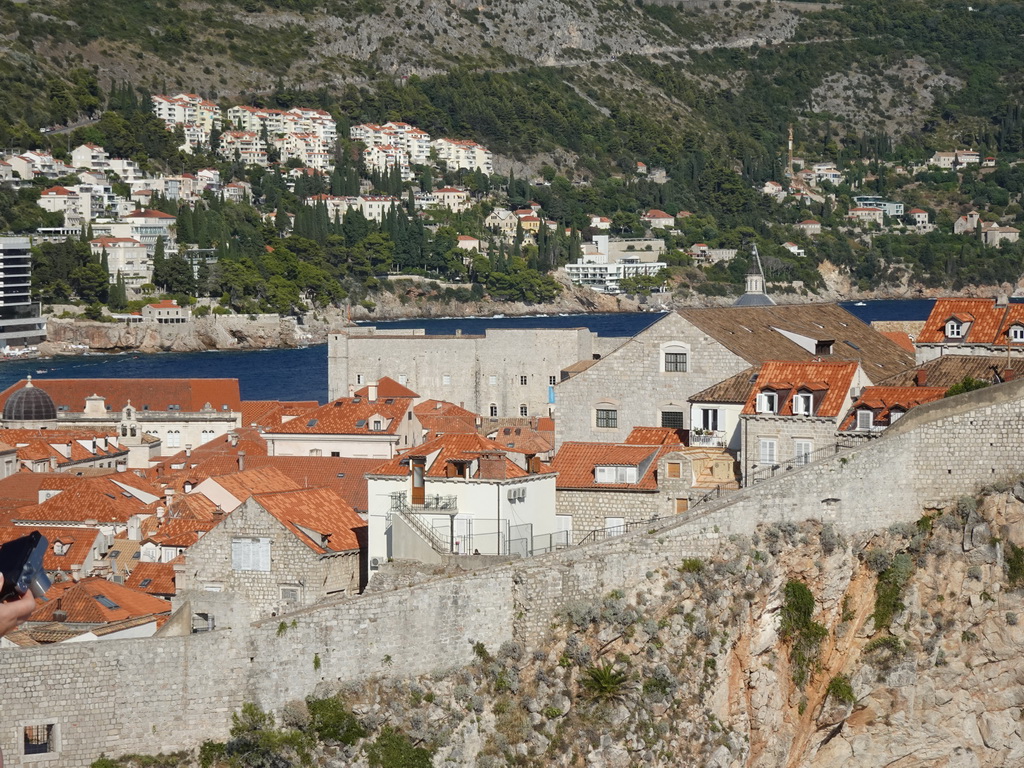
250,553
524,380
710,419
803,404
802,450
954,329
552,380
492,380
768,402
493,409
615,474
1017,332
768,450
865,419
524,410
446,380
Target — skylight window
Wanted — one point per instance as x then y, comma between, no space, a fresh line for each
145,583
106,602
311,423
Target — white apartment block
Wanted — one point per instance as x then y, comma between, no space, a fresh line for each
246,146
381,159
373,207
32,165
459,154
127,256
408,138
276,121
309,148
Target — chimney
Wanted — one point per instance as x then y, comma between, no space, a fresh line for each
351,390
241,461
233,438
59,614
188,449
161,512
1009,374
169,496
1002,300
921,377
371,392
492,466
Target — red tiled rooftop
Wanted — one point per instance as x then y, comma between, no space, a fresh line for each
446,449
320,510
789,378
152,578
79,542
144,394
884,400
79,601
575,464
985,317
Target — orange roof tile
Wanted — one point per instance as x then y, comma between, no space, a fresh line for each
152,578
272,413
351,416
387,387
97,601
242,485
439,417
789,378
447,449
318,517
655,436
144,394
900,337
178,531
985,317
576,464
884,400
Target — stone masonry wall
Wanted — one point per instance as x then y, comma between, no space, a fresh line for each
591,509
785,430
150,695
631,380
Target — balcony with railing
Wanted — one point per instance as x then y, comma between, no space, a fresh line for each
707,438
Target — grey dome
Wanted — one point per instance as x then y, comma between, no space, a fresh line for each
29,404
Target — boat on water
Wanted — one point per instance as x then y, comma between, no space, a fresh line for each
861,304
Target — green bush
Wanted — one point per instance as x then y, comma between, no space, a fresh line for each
392,749
799,629
692,565
839,688
604,682
1013,560
889,590
331,721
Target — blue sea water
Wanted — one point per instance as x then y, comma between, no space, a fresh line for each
301,374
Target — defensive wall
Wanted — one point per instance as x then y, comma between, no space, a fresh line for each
161,694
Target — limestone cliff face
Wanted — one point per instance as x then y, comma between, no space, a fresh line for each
211,332
692,669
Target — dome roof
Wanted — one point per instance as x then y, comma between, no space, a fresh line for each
29,404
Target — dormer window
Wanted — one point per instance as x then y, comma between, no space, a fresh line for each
803,404
895,416
954,329
620,475
768,402
1017,333
865,419
378,425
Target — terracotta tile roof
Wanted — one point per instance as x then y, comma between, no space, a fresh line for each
97,601
387,387
149,213
152,578
988,322
79,542
901,338
145,394
575,464
123,555
830,383
22,488
447,449
272,413
884,400
351,416
318,517
735,389
655,436
242,485
438,417
177,532
98,499
947,370
756,335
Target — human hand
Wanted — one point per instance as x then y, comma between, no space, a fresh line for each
15,612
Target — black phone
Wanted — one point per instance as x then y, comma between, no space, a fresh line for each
21,563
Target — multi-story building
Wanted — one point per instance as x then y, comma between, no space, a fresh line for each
20,324
888,207
125,256
246,146
382,158
459,154
309,148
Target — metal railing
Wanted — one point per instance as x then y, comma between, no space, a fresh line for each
447,504
796,462
399,507
707,439
601,534
713,495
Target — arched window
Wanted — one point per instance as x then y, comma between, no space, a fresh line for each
606,414
675,357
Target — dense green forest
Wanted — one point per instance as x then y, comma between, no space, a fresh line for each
715,119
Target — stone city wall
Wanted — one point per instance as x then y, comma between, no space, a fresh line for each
150,695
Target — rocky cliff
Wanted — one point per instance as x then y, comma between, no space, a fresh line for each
793,647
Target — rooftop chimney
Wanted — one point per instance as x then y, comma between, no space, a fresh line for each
371,392
351,390
188,449
492,466
241,461
921,377
1009,374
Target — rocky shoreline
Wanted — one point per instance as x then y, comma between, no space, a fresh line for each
246,332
